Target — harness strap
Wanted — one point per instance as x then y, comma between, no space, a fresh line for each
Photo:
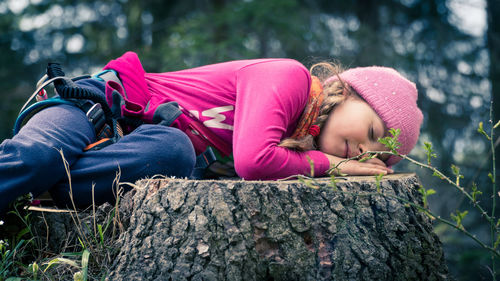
166,113
27,113
40,85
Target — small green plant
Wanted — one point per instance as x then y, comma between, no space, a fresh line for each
378,178
8,258
17,242
25,260
96,239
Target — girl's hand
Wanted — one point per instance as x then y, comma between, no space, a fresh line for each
370,167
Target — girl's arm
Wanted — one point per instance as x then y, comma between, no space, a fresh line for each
270,98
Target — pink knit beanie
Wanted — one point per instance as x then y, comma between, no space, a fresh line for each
393,97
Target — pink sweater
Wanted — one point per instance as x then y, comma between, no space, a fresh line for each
250,104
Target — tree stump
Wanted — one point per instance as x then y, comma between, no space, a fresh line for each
177,229
278,230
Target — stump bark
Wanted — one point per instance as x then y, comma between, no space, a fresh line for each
178,229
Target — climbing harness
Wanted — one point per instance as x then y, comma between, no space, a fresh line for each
94,104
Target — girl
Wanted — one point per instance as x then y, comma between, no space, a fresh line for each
270,113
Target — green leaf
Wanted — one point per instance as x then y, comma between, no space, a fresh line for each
458,218
81,243
378,178
61,261
392,142
496,125
463,214
333,183
436,174
101,234
426,193
475,192
71,254
456,172
429,151
497,242
491,178
85,264
480,129
395,132
22,233
33,267
311,164
368,157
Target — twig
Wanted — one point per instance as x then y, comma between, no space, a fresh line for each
436,171
447,179
494,192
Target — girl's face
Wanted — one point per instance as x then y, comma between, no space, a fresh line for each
352,128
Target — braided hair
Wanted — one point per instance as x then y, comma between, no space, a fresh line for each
335,93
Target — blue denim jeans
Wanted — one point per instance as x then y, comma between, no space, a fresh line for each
32,161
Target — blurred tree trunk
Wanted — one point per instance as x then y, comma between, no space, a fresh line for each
220,30
369,34
494,48
134,24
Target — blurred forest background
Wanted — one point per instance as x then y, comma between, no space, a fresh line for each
450,48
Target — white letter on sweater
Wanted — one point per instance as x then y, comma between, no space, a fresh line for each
216,122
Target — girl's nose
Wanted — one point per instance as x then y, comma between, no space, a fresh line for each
365,147
362,149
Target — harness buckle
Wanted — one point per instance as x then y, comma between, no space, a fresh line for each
95,113
96,116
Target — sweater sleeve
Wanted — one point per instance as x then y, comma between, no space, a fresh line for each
131,73
270,96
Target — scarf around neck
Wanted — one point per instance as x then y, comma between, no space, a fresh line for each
311,110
